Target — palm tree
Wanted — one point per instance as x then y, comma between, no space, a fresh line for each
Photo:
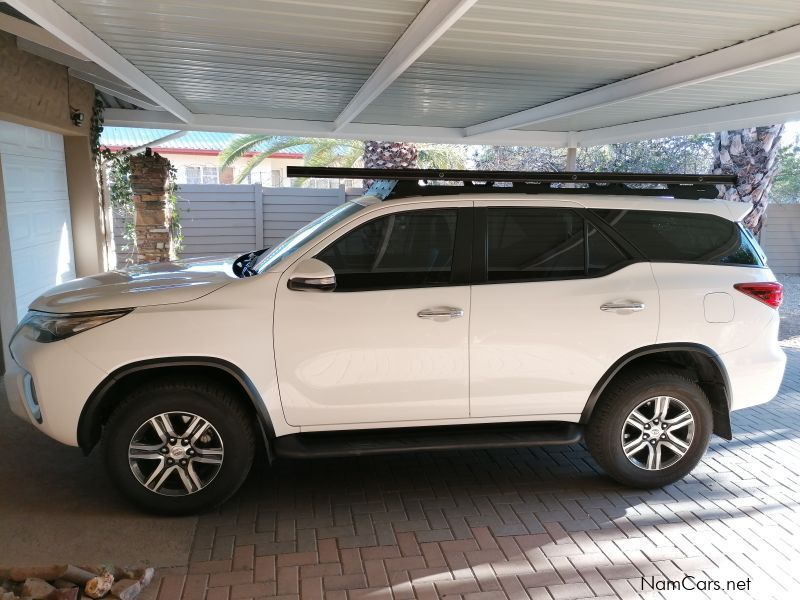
323,152
390,155
750,154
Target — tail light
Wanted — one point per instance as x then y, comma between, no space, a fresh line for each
768,292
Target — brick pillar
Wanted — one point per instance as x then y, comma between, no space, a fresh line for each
226,175
149,182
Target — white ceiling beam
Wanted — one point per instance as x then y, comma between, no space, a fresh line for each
116,89
28,31
760,52
357,131
67,60
735,116
157,142
435,18
60,23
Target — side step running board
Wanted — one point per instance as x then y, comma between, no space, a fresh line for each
413,439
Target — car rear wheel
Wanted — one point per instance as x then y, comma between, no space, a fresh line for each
650,428
179,447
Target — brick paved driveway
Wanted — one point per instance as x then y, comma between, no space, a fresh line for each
541,523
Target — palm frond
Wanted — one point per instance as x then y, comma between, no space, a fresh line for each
251,164
331,153
324,152
353,155
239,146
274,144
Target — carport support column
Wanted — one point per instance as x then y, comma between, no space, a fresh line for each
85,207
150,182
572,152
572,159
572,156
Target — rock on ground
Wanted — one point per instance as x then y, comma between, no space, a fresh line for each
126,589
99,586
36,589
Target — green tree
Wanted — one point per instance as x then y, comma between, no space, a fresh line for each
324,152
685,154
786,187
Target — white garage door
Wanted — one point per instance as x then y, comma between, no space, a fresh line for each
37,209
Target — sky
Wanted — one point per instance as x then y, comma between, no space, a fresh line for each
791,133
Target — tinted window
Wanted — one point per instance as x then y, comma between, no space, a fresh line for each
534,243
686,237
409,249
603,255
290,245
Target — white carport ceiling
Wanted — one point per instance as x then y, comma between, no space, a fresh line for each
464,71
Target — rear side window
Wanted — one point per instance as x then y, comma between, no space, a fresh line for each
603,255
526,244
407,249
532,243
683,237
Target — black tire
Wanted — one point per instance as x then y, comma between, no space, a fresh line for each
212,402
603,434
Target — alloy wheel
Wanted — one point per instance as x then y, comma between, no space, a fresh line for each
658,433
175,453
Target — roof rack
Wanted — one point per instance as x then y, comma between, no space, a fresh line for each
401,183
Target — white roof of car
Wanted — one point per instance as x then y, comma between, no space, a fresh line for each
732,211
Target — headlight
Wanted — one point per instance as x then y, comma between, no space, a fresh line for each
50,327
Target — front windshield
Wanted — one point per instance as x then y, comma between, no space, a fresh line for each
301,236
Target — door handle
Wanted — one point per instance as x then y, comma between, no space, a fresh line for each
630,306
441,313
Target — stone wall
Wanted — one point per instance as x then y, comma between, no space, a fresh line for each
149,182
35,91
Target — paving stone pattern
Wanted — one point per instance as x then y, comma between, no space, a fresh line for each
527,523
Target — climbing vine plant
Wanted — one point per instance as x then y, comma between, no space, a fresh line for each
114,171
96,125
118,173
117,167
175,229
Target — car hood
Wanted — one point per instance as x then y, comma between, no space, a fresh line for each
139,285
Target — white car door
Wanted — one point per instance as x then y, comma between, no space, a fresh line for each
559,304
390,343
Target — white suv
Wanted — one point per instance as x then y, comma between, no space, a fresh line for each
473,317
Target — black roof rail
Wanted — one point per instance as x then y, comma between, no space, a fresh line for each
399,183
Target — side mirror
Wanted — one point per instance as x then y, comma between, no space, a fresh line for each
312,275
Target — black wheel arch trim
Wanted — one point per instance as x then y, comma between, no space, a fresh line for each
89,425
722,426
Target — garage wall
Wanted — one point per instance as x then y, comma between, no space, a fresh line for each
780,238
38,93
37,212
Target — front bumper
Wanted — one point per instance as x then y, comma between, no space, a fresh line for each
13,380
58,378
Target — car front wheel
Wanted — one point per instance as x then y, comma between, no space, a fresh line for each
650,428
179,447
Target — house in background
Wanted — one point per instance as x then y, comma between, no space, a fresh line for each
196,155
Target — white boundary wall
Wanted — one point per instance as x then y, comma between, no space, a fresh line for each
780,238
234,219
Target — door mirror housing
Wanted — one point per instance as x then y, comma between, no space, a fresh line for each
312,275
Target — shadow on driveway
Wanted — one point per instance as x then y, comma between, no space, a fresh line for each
58,506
